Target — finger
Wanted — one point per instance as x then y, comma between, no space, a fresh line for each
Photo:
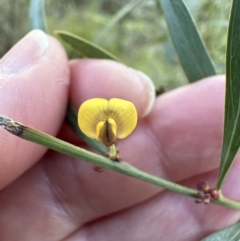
108,79
187,125
33,90
161,218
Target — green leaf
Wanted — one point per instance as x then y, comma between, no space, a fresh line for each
37,15
83,47
231,140
116,19
189,46
71,119
231,233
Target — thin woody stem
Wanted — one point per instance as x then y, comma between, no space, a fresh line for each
53,143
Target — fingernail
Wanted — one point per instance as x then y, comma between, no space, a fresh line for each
25,53
149,87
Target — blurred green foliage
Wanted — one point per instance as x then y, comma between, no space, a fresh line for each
13,23
141,39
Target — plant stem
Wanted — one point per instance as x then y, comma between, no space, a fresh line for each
53,143
113,152
223,201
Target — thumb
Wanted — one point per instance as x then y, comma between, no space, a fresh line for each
34,82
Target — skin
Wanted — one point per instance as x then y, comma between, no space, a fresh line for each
48,196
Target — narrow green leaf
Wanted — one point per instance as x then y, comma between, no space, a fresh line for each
187,41
83,47
231,136
116,19
231,233
71,119
37,15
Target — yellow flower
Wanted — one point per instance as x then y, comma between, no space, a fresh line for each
107,121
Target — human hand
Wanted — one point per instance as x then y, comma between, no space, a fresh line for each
48,196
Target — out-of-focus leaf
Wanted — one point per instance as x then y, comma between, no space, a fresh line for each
83,47
37,15
71,119
190,48
231,136
231,233
116,19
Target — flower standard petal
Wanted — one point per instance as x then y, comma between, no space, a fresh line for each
90,113
125,115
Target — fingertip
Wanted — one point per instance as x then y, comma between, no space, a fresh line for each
149,88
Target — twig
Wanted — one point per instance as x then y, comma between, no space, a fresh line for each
56,144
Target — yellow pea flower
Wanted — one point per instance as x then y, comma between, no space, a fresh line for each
107,121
